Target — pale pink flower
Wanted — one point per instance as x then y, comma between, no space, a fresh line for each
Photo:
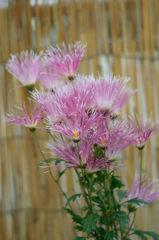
48,76
25,67
144,190
66,101
111,93
66,60
25,118
142,130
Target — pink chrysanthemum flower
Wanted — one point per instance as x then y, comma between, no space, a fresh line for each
48,76
66,60
78,157
67,101
25,67
111,93
142,131
114,137
144,190
26,119
76,127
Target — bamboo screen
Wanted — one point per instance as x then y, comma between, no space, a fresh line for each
122,37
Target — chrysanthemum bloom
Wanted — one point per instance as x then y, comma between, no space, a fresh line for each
66,101
114,137
48,76
142,131
111,93
143,190
25,67
76,127
78,157
66,60
26,119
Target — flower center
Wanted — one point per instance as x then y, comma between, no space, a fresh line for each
76,134
102,141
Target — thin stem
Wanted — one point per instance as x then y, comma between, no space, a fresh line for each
141,166
82,188
38,145
48,131
52,176
129,229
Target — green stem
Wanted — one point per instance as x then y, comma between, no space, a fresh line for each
82,187
52,136
129,229
52,176
141,166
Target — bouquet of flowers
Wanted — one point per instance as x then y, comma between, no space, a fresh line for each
87,133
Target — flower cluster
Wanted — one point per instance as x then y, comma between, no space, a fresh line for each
85,110
82,115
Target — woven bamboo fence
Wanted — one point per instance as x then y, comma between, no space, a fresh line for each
122,37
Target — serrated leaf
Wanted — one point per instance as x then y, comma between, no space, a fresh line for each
116,183
143,233
72,198
137,201
152,234
121,218
90,222
109,235
121,194
75,217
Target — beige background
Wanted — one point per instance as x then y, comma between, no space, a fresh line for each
122,37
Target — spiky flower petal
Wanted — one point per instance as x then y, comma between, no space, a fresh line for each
143,190
142,130
66,60
25,118
25,67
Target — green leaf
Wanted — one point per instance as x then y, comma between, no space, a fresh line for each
137,201
116,183
75,217
90,222
78,227
121,194
122,218
110,235
143,233
152,234
61,173
49,160
72,198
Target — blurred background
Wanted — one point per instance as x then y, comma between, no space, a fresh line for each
122,38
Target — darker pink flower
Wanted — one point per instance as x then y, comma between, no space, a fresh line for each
26,119
25,67
78,157
68,101
77,126
114,137
144,190
142,130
